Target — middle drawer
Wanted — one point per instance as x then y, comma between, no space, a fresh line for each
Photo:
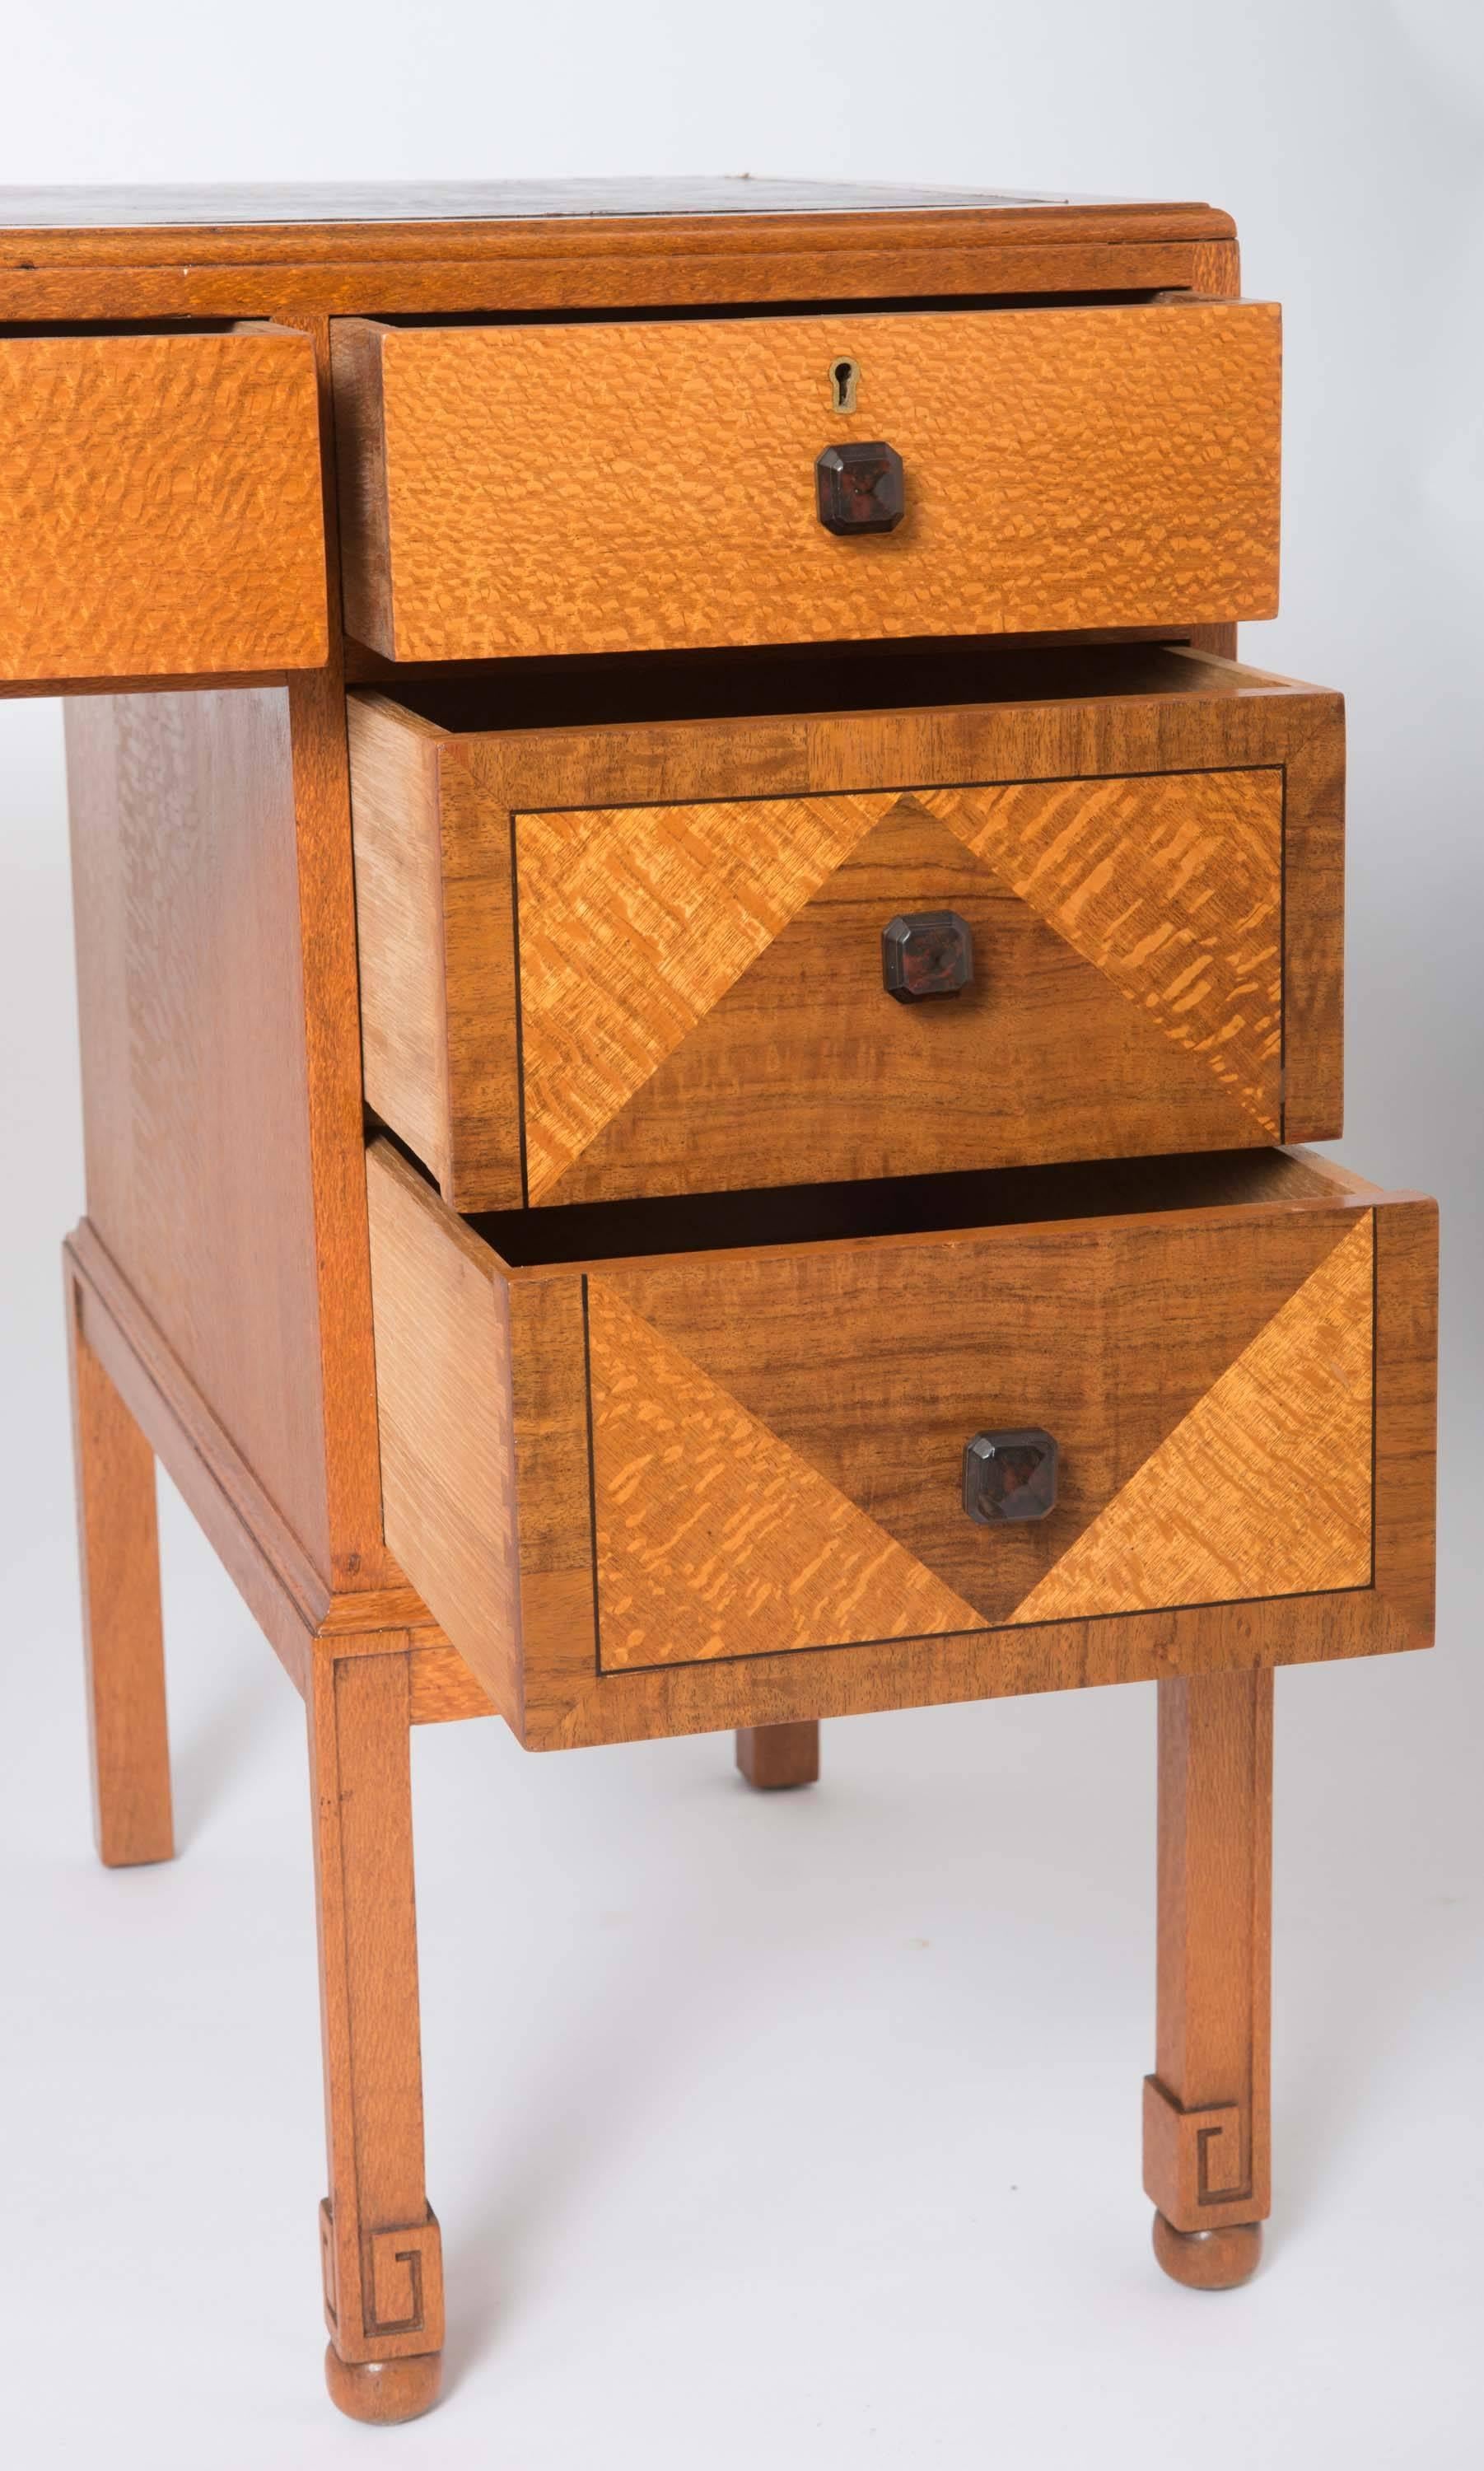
1093,912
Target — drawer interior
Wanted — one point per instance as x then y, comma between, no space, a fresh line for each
904,1206
691,312
595,690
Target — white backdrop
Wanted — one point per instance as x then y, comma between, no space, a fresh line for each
802,2130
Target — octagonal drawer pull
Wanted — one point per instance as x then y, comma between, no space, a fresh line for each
927,953
1010,1476
860,488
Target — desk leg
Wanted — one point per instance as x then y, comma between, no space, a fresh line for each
1206,2107
118,1543
383,2267
772,1758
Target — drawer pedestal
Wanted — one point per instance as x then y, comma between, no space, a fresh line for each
699,973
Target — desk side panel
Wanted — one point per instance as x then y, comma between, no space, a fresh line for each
196,1104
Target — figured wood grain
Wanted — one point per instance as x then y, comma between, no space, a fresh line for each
445,1689
1172,888
633,924
160,505
380,2244
399,929
804,1064
569,1706
875,1363
552,1450
447,1422
451,1356
1264,1485
118,1548
714,1538
565,1708
1313,948
869,1361
355,376
1207,2107
440,998
522,489
481,1000
799,1058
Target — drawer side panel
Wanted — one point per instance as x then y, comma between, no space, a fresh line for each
443,1383
400,928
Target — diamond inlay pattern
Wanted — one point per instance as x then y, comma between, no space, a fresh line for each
1171,885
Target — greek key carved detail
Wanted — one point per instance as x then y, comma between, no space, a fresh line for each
398,2307
1198,2164
394,2302
1219,2176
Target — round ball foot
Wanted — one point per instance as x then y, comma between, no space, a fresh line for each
384,2391
1208,2260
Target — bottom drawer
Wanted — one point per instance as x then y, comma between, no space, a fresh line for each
672,1466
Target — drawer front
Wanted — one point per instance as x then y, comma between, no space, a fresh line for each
603,488
703,1001
778,1444
160,505
568,1003
698,1488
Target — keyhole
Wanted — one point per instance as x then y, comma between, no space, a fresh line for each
844,378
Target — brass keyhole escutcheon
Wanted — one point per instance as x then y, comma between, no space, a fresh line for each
844,378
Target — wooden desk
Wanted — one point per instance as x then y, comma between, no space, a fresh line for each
698,969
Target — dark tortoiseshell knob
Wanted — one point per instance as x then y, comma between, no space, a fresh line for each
1010,1476
862,488
929,955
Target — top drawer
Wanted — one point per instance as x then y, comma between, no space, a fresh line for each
160,505
651,484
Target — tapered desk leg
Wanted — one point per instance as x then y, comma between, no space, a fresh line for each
1206,2107
772,1758
118,1543
383,2267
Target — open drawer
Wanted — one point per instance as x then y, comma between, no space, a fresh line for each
652,952
652,482
674,1466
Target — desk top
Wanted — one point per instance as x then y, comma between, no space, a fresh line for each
189,209
70,256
